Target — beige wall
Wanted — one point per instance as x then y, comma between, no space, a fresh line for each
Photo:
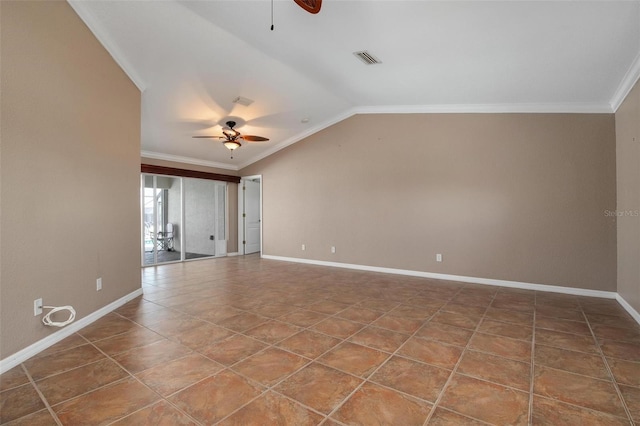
628,174
504,196
70,170
232,189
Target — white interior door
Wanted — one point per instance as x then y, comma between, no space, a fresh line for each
251,217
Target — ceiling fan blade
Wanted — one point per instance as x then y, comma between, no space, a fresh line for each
208,137
250,138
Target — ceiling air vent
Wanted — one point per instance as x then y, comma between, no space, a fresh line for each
242,101
367,58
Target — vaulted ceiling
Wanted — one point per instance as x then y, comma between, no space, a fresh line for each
191,59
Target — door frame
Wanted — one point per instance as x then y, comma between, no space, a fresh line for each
241,246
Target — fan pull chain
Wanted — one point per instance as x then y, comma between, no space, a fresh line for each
271,15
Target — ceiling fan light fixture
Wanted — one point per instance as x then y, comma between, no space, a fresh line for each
231,145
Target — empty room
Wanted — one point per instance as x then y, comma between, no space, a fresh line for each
297,212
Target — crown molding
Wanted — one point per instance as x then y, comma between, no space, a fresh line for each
574,108
627,83
187,160
108,45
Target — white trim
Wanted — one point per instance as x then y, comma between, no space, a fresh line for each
485,281
19,357
233,254
187,160
569,108
110,47
627,83
628,308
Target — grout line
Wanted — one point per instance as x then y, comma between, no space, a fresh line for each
609,371
457,365
41,395
533,365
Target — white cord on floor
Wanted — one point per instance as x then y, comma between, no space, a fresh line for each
47,318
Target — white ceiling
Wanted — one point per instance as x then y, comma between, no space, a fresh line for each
191,59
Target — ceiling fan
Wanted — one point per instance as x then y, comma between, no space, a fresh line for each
232,137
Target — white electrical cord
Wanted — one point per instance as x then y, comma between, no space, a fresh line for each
46,320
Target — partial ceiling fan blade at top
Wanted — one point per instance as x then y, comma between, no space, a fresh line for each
250,138
208,137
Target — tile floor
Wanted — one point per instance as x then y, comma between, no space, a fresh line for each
244,341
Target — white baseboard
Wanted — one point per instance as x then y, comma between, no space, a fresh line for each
474,280
235,253
461,278
628,307
19,357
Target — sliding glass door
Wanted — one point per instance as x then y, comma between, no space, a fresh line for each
183,218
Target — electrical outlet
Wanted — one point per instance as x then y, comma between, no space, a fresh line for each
99,284
438,257
304,247
333,249
37,307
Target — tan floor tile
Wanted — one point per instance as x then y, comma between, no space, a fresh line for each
515,331
127,341
374,404
398,324
444,417
337,327
445,333
622,350
571,388
415,378
175,375
308,343
496,369
176,326
379,305
379,338
136,306
319,387
354,359
202,336
59,362
272,331
359,314
631,396
148,319
233,349
615,321
272,409
269,366
513,317
574,362
39,418
550,412
616,333
506,347
219,314
328,307
412,312
148,356
557,312
625,372
568,341
18,402
107,326
214,398
500,405
303,318
432,352
458,308
457,320
243,321
562,325
13,378
161,413
106,404
513,305
70,342
75,382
